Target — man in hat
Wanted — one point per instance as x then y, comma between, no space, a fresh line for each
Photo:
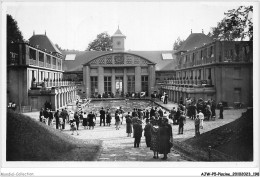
137,126
181,122
147,133
102,116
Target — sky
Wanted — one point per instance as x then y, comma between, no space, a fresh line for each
147,25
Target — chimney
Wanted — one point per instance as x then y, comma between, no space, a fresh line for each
33,32
202,31
191,31
45,32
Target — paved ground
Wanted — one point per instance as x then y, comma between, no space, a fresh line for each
117,147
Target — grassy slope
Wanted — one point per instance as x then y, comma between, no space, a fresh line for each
29,140
232,142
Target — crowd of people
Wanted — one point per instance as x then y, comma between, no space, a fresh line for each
153,122
157,131
195,110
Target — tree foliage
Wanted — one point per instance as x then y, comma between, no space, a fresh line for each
103,42
13,32
177,43
237,25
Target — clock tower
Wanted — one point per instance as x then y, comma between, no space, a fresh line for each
118,41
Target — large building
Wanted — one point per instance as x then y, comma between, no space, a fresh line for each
221,70
119,72
35,75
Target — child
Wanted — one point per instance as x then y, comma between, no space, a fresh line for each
73,127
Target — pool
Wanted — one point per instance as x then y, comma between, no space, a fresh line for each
127,106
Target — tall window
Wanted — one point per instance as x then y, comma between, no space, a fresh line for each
32,54
107,84
131,84
211,51
54,61
41,57
237,73
48,59
41,75
93,85
237,94
144,80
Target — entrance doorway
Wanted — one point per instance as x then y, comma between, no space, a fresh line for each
119,86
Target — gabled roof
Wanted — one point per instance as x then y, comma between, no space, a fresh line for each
195,40
44,43
83,57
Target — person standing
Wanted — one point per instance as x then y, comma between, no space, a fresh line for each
41,114
50,117
137,132
108,118
46,116
147,133
160,111
76,118
193,111
181,122
201,117
147,114
128,124
57,116
165,99
152,112
85,120
197,125
154,138
221,109
213,109
121,113
102,116
165,134
91,117
117,120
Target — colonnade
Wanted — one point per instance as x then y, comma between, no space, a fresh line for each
61,99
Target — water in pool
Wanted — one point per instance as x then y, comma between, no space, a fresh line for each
127,106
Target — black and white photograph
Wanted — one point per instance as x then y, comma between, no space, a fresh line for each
106,87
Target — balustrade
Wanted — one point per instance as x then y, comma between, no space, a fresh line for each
41,64
32,62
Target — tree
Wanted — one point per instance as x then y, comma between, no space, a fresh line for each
237,25
103,42
13,32
177,44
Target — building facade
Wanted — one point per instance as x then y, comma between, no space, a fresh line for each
119,73
35,75
221,70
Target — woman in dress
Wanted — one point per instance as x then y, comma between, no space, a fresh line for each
91,117
165,134
108,118
154,138
128,124
85,120
117,119
147,133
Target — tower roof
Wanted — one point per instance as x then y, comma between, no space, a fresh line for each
118,33
44,43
